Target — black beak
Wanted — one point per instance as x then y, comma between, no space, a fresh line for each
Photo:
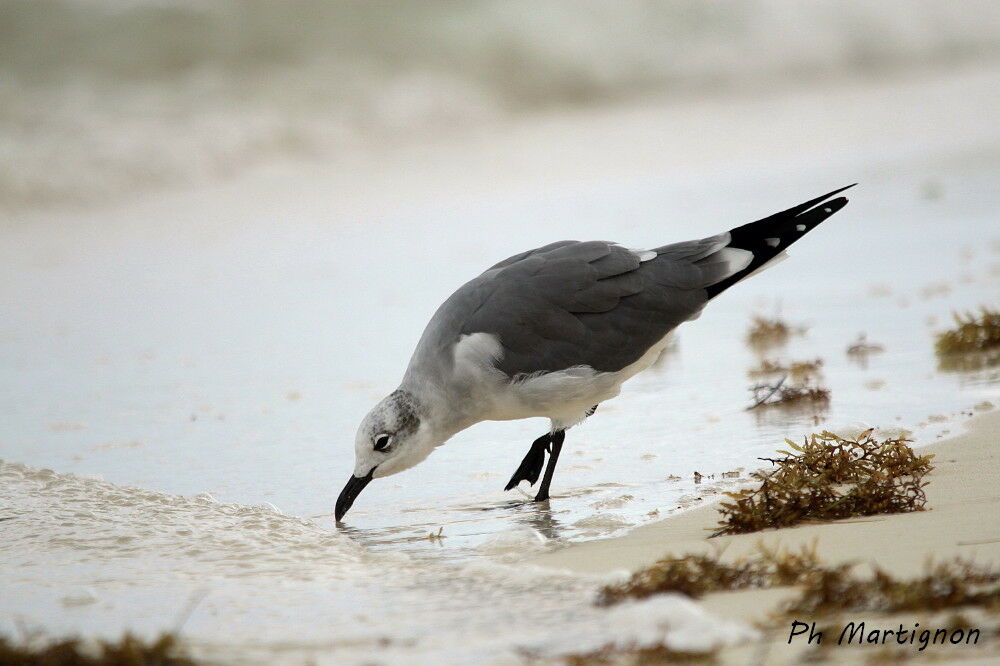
350,493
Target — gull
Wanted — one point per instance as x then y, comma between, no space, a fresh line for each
554,332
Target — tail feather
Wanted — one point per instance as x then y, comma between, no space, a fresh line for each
769,237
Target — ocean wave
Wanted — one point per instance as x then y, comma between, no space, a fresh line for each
87,557
78,518
99,99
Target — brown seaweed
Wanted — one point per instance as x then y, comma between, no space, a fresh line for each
128,651
829,477
973,344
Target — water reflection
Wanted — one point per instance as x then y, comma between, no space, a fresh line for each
790,417
971,364
862,350
539,517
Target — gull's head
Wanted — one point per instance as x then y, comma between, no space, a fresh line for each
393,437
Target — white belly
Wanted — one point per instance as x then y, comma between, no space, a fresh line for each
564,396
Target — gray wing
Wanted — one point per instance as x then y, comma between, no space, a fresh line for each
586,303
596,303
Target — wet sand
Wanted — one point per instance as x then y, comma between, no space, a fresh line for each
963,520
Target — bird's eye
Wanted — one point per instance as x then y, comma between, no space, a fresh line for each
382,442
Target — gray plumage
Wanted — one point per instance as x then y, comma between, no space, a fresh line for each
553,332
595,303
588,303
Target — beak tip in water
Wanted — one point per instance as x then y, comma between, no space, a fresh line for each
350,492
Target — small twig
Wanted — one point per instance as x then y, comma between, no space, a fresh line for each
767,397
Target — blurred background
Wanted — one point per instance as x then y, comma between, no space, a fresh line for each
104,98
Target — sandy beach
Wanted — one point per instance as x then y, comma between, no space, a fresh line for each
962,519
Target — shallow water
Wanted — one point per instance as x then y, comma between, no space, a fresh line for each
229,341
242,367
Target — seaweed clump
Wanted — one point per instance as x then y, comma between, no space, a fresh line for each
650,655
974,343
128,651
972,333
798,370
949,584
789,395
698,575
830,477
765,333
824,589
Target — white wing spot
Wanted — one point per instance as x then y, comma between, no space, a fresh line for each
800,227
827,210
735,258
773,242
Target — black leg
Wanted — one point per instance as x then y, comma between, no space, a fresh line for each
557,442
531,466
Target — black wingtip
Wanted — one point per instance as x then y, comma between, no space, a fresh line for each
785,227
836,204
817,214
795,210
